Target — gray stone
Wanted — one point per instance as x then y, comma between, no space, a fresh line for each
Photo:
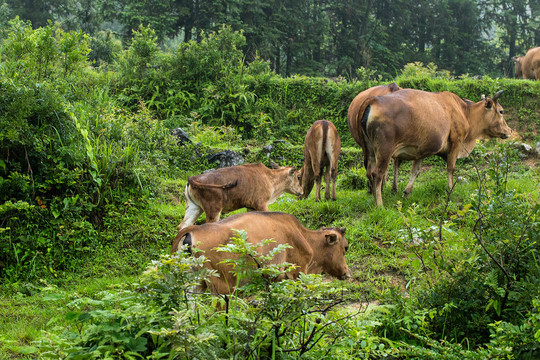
226,158
181,136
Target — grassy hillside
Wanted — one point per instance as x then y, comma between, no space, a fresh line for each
91,192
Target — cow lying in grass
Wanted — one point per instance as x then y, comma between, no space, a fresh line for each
312,252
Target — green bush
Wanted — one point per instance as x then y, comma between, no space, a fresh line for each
475,285
164,316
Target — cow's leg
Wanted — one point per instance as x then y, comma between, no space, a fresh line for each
212,215
328,182
193,211
307,180
381,167
365,153
333,174
396,163
451,166
370,168
316,165
415,170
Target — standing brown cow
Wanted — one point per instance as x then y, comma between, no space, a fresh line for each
528,66
413,124
313,252
253,186
321,154
354,117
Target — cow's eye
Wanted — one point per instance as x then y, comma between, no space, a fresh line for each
501,111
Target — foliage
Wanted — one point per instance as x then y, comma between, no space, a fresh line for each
476,290
164,315
85,156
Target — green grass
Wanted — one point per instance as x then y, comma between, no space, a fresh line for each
379,258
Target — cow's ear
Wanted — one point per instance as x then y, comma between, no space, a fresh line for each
331,239
292,171
273,165
489,103
342,230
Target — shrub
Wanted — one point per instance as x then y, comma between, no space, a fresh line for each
163,315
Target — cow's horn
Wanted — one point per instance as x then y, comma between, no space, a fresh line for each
496,96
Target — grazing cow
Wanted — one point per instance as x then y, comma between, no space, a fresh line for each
313,252
528,66
413,124
321,154
354,116
253,186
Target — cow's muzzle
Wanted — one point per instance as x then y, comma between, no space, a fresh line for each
346,275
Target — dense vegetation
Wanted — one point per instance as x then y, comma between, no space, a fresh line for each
319,38
91,191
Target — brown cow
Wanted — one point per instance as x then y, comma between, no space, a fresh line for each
321,154
313,252
354,116
253,186
528,66
413,124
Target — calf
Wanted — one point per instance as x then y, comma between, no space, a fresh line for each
413,124
312,252
321,154
253,186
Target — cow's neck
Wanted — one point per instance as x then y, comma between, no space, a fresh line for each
279,183
316,265
476,132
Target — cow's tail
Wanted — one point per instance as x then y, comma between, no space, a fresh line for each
364,112
199,185
324,141
183,235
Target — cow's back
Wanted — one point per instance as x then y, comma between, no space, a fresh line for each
354,114
531,64
416,123
251,182
258,225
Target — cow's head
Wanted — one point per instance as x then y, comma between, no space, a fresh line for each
493,119
517,66
294,182
333,256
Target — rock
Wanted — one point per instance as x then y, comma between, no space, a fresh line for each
226,158
267,149
181,136
525,149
